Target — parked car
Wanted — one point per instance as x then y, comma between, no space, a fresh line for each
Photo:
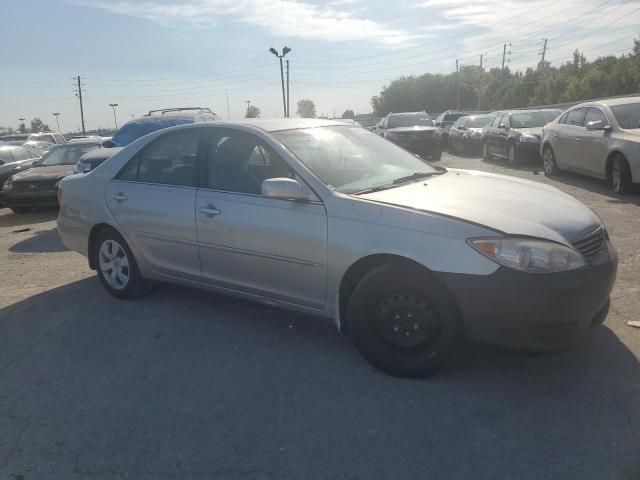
157,120
40,147
11,166
465,135
93,158
443,123
413,131
331,220
50,137
515,135
13,153
599,139
14,138
38,186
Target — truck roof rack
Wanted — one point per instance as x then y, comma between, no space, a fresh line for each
179,109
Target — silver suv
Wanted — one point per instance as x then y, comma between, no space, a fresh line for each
599,139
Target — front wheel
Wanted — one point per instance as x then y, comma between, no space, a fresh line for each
620,175
117,268
485,152
401,321
436,155
512,154
549,162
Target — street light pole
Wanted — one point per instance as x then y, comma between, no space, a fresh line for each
285,50
57,114
115,119
21,120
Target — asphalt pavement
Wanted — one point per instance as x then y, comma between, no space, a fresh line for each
191,385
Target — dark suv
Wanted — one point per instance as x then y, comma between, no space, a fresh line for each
516,135
413,131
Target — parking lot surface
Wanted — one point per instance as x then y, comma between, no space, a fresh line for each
187,384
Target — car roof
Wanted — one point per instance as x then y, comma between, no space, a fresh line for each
612,102
83,141
525,110
422,112
279,124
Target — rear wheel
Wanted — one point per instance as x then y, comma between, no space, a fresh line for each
401,321
620,175
117,268
436,155
549,162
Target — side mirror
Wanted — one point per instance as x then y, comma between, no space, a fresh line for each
598,125
108,144
283,188
503,126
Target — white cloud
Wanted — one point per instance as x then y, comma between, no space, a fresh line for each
287,18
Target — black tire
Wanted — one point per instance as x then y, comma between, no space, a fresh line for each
549,162
620,175
135,286
512,154
486,156
20,210
464,150
427,328
436,155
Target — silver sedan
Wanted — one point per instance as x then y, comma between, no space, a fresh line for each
329,219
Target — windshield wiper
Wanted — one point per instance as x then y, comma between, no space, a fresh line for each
375,189
417,175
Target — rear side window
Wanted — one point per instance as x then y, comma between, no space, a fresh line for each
576,117
168,160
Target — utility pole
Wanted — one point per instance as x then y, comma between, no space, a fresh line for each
481,55
228,113
115,119
458,86
544,52
285,50
288,111
248,102
79,95
57,114
504,56
457,67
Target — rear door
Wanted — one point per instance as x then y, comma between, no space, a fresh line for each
153,201
273,248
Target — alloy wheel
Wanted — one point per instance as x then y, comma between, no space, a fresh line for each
547,162
114,264
616,175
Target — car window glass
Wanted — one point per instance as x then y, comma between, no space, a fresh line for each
594,115
240,162
563,118
5,156
21,154
170,159
628,116
130,170
496,121
576,117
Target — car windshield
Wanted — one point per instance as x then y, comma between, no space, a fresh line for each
450,118
628,116
351,159
532,119
418,119
477,122
66,154
5,155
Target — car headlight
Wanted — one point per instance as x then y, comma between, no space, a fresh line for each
529,255
8,185
528,138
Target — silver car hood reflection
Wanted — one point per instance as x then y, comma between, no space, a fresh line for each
511,205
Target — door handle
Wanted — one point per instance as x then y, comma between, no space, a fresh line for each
119,197
210,210
577,139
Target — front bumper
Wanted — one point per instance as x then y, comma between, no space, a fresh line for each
540,312
9,198
530,150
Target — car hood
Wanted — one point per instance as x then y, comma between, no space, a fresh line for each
416,128
537,131
510,205
44,173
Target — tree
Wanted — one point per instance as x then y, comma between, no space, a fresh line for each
252,112
37,125
306,108
348,114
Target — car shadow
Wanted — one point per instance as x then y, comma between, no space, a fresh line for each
200,379
42,241
597,186
10,219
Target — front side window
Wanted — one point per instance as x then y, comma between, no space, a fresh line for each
576,117
595,115
496,121
168,160
239,162
352,160
628,116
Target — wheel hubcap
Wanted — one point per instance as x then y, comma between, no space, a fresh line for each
548,165
407,322
114,264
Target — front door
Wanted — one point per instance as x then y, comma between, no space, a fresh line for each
264,246
568,141
593,145
153,201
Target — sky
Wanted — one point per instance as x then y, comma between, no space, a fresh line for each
152,54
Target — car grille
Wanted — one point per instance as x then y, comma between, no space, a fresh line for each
36,186
590,244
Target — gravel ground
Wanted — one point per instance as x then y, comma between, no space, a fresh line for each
186,384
